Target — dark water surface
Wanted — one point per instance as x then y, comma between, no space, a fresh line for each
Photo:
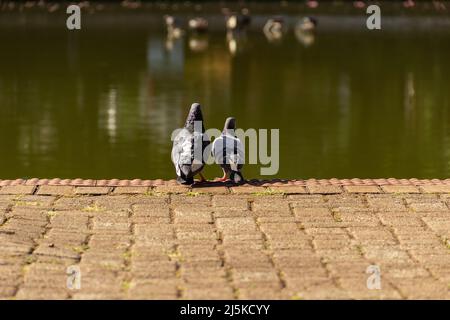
102,102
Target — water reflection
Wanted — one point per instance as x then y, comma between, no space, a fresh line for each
104,102
305,31
237,41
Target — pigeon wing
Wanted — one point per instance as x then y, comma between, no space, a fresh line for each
182,151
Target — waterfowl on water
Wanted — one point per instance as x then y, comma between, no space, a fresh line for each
174,30
189,147
359,4
228,152
274,28
131,4
409,4
198,24
237,22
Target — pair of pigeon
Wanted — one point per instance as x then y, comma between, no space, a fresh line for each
192,147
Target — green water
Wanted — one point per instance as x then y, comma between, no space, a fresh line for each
102,102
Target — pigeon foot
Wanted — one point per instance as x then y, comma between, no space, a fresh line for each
223,179
187,181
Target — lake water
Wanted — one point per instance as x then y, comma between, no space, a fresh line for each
102,102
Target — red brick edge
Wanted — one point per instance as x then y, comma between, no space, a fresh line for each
263,183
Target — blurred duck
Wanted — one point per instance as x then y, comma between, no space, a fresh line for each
274,28
304,31
198,24
307,39
307,24
312,4
53,7
189,147
131,4
29,4
409,4
237,22
359,4
174,30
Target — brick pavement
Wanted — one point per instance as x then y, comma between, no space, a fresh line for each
260,241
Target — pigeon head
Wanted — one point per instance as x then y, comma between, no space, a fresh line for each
230,124
195,114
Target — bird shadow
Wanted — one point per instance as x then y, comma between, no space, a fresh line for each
229,183
210,184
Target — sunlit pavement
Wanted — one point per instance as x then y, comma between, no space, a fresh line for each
314,239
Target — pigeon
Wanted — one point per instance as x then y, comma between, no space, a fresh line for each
198,24
228,152
304,31
189,146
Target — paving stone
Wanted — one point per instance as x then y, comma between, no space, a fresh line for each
276,204
17,190
92,190
209,294
429,206
362,189
386,203
289,189
190,215
323,189
230,202
236,225
56,190
73,203
400,189
220,212
172,189
131,244
7,292
248,189
211,190
193,200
